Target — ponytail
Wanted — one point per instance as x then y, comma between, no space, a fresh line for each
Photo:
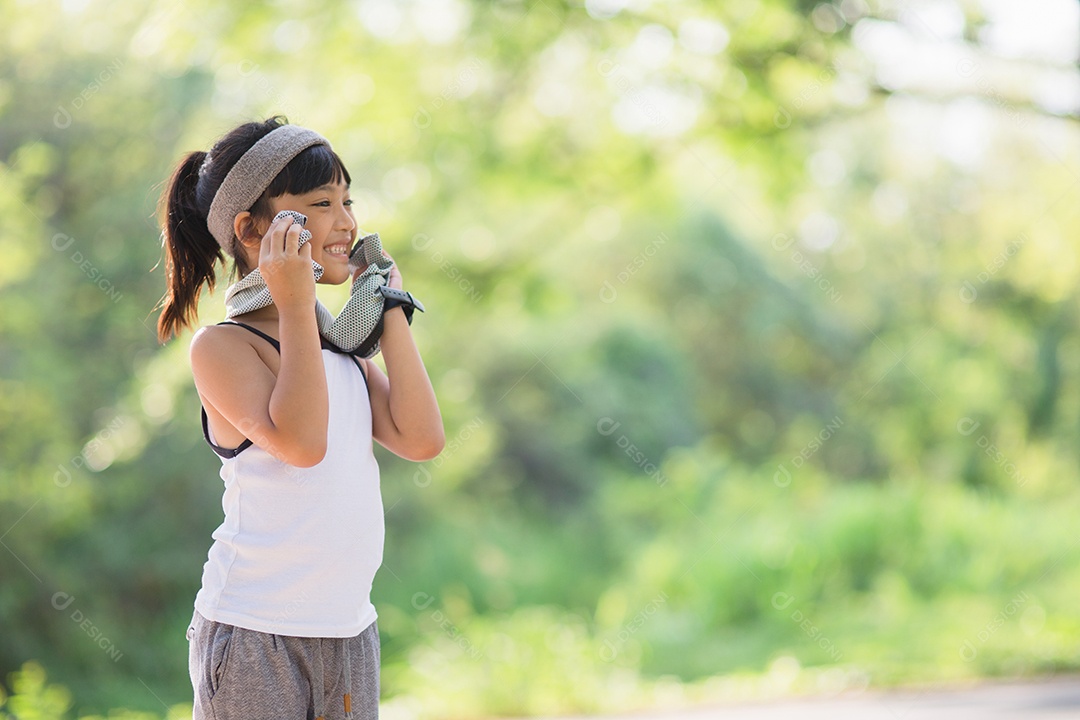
190,249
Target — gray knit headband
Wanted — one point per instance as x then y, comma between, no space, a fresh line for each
253,173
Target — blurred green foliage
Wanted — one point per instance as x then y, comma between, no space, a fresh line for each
748,387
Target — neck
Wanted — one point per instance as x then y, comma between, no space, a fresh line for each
268,314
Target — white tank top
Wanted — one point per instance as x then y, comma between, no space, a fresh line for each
299,547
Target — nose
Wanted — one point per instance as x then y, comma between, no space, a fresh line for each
344,219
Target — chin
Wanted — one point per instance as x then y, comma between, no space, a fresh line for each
334,275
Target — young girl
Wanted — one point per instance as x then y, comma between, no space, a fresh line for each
283,625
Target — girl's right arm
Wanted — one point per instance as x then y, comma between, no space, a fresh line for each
285,415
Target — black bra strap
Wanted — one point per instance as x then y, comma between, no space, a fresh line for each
260,333
223,452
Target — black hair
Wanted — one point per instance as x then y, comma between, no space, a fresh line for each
191,251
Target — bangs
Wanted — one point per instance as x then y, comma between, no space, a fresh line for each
314,167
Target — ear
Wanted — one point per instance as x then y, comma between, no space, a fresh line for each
247,229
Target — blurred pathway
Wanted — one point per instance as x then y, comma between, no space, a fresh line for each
1059,698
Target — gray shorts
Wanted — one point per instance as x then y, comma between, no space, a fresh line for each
240,673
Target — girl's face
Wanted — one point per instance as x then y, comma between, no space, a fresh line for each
331,223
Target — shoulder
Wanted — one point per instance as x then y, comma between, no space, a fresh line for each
210,337
212,344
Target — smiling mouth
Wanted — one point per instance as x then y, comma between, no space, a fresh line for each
340,250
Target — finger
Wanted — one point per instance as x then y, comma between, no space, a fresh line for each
281,235
292,239
266,246
266,250
277,235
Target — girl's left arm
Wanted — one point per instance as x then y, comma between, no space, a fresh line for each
404,411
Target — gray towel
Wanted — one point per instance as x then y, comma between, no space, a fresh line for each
357,327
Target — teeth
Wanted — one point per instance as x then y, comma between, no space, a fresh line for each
337,249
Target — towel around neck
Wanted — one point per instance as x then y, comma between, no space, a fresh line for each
356,329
